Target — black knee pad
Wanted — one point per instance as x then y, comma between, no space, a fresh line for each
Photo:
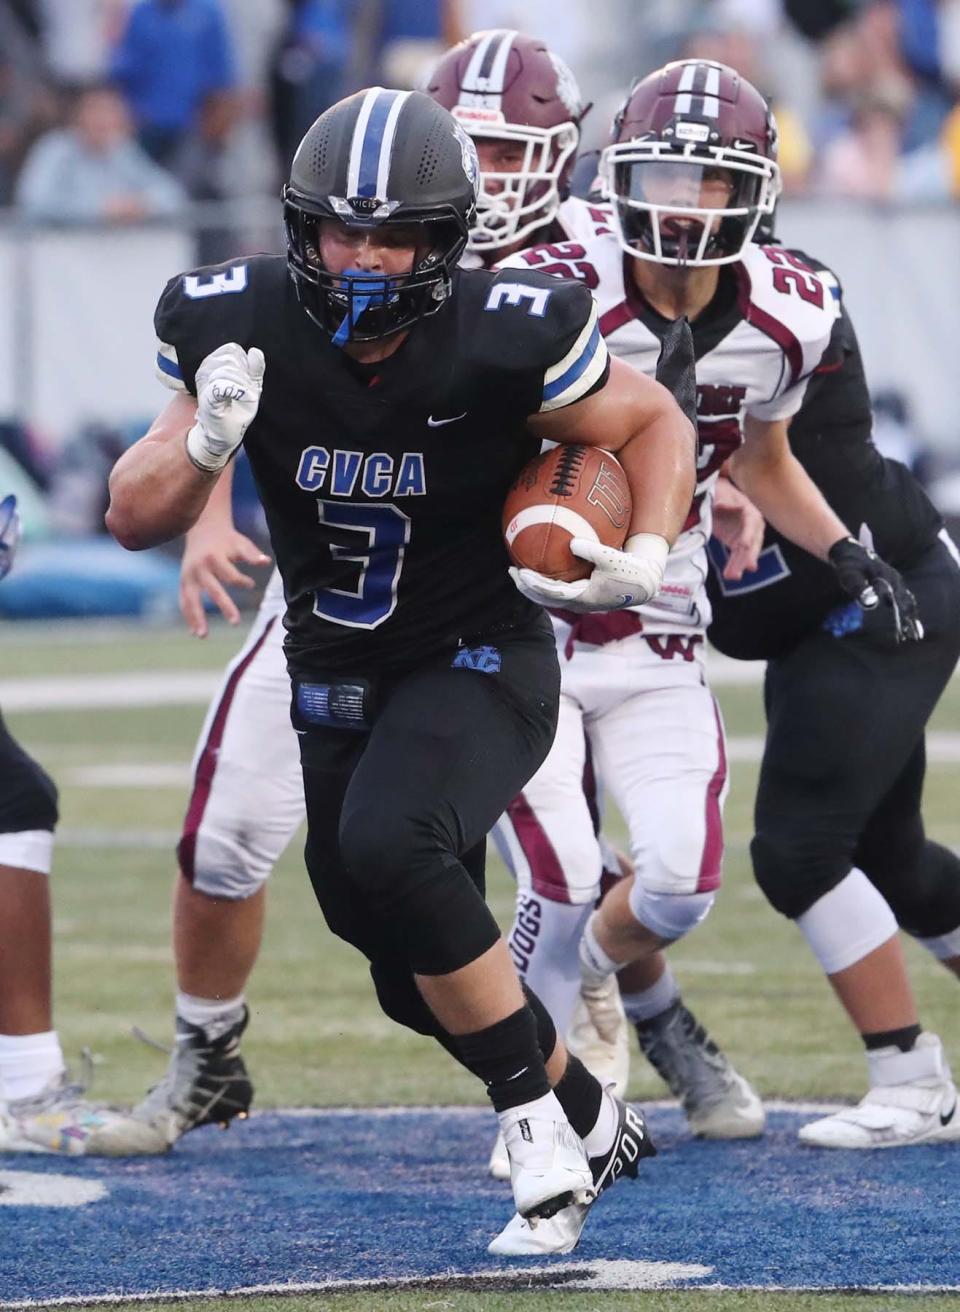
28,799
926,898
401,1000
793,873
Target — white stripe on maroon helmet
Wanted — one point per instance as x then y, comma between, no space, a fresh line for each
711,105
684,87
479,89
499,70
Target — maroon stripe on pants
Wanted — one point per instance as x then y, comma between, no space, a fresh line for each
546,872
207,764
712,858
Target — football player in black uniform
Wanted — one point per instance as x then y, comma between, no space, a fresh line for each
840,846
41,1111
388,401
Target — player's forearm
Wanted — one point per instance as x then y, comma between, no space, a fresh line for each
217,514
787,497
660,466
156,493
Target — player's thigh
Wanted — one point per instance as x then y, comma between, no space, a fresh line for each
662,756
329,759
547,834
452,746
844,719
247,797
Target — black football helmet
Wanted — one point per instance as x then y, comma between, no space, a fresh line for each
380,157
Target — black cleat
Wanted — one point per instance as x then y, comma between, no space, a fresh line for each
206,1083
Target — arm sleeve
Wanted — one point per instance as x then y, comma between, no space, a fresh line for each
580,370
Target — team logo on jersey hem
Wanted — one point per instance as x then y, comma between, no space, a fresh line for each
487,660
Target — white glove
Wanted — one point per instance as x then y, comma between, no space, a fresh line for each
619,578
229,383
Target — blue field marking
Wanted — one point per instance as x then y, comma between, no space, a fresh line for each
317,1199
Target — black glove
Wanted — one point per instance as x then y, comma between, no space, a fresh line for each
874,584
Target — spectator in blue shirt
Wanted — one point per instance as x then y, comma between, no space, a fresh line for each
323,54
412,35
172,57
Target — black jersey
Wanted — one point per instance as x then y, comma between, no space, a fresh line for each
791,592
383,486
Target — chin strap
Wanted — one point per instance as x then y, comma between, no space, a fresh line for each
363,290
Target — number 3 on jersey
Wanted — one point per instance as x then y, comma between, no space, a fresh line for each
382,534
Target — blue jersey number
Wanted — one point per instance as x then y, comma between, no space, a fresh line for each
383,533
771,568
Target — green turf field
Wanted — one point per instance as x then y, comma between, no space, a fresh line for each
316,1036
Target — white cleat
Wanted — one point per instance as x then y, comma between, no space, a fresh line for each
599,1035
557,1234
919,1107
560,1233
548,1165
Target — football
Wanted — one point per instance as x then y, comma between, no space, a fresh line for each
571,491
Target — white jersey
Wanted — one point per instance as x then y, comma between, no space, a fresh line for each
755,359
576,220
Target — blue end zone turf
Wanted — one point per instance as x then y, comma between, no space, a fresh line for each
310,1198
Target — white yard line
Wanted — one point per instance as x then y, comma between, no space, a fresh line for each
81,692
943,748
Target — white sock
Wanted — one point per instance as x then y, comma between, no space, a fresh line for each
924,1061
595,966
652,1001
601,1137
28,1063
543,942
214,1015
546,1108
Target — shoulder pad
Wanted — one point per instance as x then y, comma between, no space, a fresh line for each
201,310
584,219
595,261
547,326
790,303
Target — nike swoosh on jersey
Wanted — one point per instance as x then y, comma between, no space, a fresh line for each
438,423
945,1120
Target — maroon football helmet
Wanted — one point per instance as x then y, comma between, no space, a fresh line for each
692,168
505,85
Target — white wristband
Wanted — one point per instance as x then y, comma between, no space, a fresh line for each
199,452
651,546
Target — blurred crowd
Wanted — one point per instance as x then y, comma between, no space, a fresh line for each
114,110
